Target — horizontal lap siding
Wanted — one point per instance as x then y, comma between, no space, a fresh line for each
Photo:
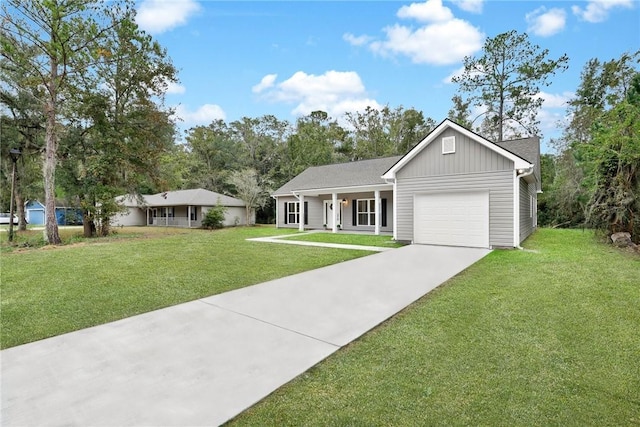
498,183
526,221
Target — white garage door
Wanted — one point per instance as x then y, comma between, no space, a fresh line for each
453,219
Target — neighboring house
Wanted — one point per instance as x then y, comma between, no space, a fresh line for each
65,215
181,208
453,188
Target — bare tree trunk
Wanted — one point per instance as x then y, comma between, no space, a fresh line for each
49,167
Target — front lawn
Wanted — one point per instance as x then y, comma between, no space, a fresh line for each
348,239
52,290
547,336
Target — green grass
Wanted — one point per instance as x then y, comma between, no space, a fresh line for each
549,336
52,290
350,239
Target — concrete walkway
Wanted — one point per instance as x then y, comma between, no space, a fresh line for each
204,362
283,240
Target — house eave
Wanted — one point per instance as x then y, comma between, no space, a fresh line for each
338,190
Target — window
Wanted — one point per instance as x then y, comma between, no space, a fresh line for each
366,213
448,145
292,212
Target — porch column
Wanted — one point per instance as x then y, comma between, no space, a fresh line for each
334,203
189,216
166,217
377,213
301,220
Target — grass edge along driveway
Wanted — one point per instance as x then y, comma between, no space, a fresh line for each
54,290
546,336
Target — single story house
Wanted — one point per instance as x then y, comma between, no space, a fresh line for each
65,215
453,188
181,208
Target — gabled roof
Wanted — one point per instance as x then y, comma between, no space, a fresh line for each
340,175
519,162
528,149
195,197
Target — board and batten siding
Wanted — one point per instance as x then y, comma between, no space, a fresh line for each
469,157
472,167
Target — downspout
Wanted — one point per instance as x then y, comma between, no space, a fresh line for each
519,173
395,204
276,218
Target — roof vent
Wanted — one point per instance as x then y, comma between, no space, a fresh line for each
448,144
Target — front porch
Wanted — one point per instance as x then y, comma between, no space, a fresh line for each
369,210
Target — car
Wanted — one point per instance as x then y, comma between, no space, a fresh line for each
4,218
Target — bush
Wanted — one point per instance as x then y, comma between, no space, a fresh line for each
214,218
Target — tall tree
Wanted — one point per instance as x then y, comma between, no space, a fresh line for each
613,158
505,81
313,143
213,155
53,42
386,132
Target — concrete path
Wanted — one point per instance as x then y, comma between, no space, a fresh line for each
203,362
283,240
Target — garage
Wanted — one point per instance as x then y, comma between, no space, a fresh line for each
452,219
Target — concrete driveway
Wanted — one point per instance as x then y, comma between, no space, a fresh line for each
203,362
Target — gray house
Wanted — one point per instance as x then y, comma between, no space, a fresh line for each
453,188
180,208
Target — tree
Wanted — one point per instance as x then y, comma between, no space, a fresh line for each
613,157
213,154
505,81
313,143
386,132
250,190
53,42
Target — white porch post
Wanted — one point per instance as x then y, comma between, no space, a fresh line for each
189,216
166,217
377,213
334,203
301,220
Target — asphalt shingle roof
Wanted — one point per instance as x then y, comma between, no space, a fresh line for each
195,197
352,174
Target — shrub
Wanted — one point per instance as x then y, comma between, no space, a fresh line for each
214,218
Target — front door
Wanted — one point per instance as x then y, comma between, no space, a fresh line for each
328,214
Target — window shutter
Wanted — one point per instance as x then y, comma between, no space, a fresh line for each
383,211
354,212
306,213
286,214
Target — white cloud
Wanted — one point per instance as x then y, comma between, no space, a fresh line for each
266,82
598,10
158,16
443,39
473,6
545,23
441,43
175,88
202,116
356,40
559,100
455,73
429,11
334,92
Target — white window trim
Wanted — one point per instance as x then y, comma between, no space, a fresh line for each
370,214
295,212
448,144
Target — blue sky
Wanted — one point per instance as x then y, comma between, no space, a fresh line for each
287,58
